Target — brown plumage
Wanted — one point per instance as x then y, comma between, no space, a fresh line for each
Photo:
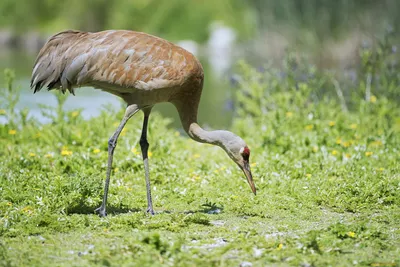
141,69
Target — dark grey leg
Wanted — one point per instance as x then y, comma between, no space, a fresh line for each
112,143
144,145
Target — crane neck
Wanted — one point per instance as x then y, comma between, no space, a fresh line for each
200,135
188,116
197,133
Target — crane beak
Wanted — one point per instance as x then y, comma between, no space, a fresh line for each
246,170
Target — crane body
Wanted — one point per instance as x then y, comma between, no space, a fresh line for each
143,70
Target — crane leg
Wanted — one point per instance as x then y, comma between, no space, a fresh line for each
112,143
144,145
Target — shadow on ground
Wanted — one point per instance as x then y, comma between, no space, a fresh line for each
84,209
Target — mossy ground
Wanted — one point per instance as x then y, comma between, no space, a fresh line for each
328,187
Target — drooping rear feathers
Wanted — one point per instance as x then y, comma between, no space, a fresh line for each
52,68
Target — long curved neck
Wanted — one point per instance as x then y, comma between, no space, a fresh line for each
188,116
200,135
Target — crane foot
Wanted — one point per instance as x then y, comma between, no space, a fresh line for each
101,211
150,211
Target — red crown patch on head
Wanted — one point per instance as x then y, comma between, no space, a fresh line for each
246,153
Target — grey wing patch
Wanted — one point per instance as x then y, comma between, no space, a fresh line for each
153,84
75,72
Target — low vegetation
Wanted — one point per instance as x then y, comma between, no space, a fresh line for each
325,159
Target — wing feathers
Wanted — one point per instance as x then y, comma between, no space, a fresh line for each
124,59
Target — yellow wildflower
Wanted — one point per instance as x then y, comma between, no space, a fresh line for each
280,246
335,152
253,164
376,143
12,132
195,177
28,209
123,132
381,169
135,151
31,154
150,154
96,151
347,156
338,141
66,152
353,126
346,144
351,234
309,127
372,99
75,114
332,123
177,133
196,156
308,175
48,155
216,171
116,169
368,153
9,204
2,111
315,149
289,114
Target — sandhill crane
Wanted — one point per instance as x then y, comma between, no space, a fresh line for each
141,69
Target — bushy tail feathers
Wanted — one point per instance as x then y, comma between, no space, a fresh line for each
50,65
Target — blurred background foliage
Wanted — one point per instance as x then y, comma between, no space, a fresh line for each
335,35
174,19
190,19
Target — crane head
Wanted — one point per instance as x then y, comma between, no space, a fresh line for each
244,164
239,152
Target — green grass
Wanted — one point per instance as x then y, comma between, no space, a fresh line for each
328,184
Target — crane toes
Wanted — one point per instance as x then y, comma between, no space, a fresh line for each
101,211
150,211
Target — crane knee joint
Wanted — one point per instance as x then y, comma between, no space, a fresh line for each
112,143
143,143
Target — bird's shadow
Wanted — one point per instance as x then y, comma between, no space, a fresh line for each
81,208
111,210
208,208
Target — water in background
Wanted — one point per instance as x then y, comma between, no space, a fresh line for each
213,111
